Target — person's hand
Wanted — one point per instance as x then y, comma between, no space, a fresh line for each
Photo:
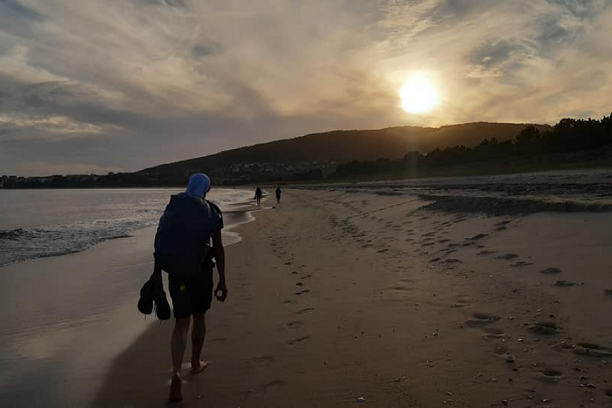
221,292
156,277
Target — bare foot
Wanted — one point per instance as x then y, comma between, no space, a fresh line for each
175,389
198,367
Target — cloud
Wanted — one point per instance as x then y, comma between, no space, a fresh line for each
132,83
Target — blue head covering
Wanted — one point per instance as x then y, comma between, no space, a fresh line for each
199,185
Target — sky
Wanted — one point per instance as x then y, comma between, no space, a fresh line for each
97,85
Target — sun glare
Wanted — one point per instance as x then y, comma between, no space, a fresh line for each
418,95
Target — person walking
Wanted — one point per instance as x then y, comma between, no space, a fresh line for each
258,195
183,250
278,194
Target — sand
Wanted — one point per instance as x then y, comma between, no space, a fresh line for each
339,296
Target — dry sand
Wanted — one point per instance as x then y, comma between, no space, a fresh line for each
336,296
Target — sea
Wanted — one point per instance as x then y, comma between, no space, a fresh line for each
66,312
42,223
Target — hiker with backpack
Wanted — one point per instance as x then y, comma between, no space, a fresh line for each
183,250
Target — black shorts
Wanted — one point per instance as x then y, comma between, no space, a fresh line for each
191,295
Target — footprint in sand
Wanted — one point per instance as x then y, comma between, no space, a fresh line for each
295,325
564,283
308,309
546,328
400,288
301,292
482,253
477,237
550,271
592,350
549,375
494,333
507,257
306,277
288,302
298,340
608,292
481,319
519,264
461,302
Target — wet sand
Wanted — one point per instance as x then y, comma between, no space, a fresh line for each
337,295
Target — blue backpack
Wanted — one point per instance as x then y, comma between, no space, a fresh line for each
183,236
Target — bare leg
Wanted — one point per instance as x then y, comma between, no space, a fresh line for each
177,346
198,333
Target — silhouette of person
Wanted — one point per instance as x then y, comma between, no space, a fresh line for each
278,194
258,195
190,221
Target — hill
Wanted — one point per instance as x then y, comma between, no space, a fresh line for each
342,146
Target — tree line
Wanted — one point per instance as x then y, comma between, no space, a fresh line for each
567,136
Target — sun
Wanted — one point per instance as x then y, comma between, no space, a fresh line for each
418,94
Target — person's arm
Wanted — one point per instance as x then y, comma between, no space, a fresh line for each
156,277
220,258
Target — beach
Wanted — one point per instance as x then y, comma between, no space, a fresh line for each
377,295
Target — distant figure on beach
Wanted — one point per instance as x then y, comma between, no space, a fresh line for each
182,249
278,194
258,195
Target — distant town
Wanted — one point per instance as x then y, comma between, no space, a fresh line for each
235,174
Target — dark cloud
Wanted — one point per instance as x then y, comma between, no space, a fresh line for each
14,10
491,58
200,51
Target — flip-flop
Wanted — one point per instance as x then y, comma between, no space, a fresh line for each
162,308
145,303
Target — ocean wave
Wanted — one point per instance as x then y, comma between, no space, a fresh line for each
22,244
104,221
11,234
